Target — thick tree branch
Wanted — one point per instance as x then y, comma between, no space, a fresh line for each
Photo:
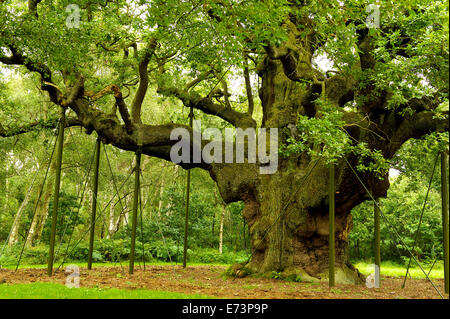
75,91
366,44
340,89
296,67
123,109
46,80
196,81
154,140
95,96
143,82
47,124
248,86
416,126
296,56
193,99
120,103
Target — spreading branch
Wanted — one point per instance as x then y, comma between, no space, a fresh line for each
30,127
143,82
202,77
248,86
154,140
206,105
418,125
17,58
120,103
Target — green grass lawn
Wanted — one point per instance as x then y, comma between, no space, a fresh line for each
388,268
58,291
391,269
41,290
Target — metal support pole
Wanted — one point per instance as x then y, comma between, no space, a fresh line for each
59,153
331,193
186,220
444,191
377,242
188,184
94,202
416,235
135,210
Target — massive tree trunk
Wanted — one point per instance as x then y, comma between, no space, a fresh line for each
287,214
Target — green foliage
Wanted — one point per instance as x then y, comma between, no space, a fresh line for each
42,290
211,256
403,207
162,231
68,218
33,255
275,275
326,136
81,251
118,251
320,136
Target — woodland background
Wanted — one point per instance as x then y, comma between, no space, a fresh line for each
218,233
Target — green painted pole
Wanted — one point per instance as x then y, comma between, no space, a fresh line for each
376,221
186,216
444,191
94,202
135,210
331,193
59,153
186,220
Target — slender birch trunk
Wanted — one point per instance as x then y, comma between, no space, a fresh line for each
222,217
38,222
3,182
111,226
125,215
161,193
14,237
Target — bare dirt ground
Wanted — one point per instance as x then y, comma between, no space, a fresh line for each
210,280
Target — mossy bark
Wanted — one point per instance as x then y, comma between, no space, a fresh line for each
287,215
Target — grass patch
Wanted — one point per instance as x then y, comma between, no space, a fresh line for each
250,287
57,291
391,269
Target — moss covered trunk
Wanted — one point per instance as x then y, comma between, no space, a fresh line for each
287,212
289,229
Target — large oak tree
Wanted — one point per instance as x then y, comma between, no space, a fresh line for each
339,89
